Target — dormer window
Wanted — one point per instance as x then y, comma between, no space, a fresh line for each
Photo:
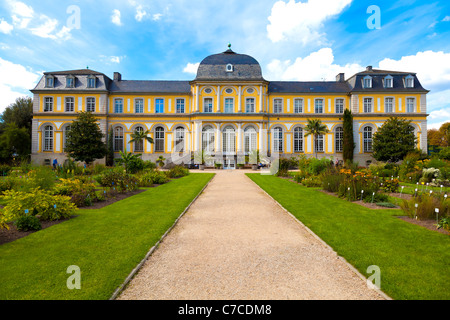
49,82
409,82
367,82
70,82
91,82
388,82
229,67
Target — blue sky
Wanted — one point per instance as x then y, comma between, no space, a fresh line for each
165,40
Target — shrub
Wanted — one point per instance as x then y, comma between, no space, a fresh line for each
37,202
386,204
312,181
158,177
444,223
390,185
435,163
82,192
283,167
118,179
331,180
317,166
7,183
177,172
426,207
4,170
430,174
414,176
38,177
444,153
376,198
27,222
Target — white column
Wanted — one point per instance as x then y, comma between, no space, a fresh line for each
261,107
218,139
239,138
197,99
261,136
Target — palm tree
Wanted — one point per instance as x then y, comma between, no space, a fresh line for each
316,128
127,158
139,136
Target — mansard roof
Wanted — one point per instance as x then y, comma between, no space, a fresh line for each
137,86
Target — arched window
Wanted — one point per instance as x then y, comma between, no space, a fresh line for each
298,139
139,145
48,138
159,139
118,139
229,140
250,139
367,139
66,131
277,139
208,139
339,139
179,139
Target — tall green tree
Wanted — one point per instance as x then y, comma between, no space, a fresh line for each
20,112
348,140
15,143
110,148
84,140
315,127
394,140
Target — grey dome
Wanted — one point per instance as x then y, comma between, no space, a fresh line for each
244,67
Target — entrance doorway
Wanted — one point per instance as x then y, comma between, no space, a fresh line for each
229,163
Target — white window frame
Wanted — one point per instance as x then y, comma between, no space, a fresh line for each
409,81
339,139
141,107
180,107
229,67
250,105
367,82
386,110
118,108
48,103
94,79
208,108
298,105
368,141
180,136
299,141
407,107
70,84
365,105
160,139
48,135
250,137
277,139
389,84
229,140
118,139
69,106
278,105
160,103
208,139
47,79
338,104
317,107
225,105
319,143
89,104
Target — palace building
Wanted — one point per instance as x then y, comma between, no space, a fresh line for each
229,110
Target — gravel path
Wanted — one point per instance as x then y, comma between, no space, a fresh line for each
236,243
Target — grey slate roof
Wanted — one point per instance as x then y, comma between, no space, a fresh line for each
308,87
213,67
81,80
136,86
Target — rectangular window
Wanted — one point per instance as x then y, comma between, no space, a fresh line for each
70,104
388,83
250,105
319,143
180,106
208,105
118,106
159,105
298,105
91,82
367,83
409,82
90,104
48,104
229,105
318,106
367,105
139,105
389,105
339,105
49,82
70,82
277,105
410,102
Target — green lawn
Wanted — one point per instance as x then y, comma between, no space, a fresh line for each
414,261
106,244
409,188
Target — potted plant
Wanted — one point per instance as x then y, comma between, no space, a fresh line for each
218,165
240,166
160,161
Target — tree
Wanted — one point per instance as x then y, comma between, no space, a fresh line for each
139,136
84,140
110,148
20,113
315,127
15,142
444,130
394,140
348,142
127,159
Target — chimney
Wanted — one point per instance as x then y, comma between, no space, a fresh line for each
340,77
369,68
117,76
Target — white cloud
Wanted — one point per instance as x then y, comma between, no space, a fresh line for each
21,13
5,27
318,66
115,18
447,18
191,68
140,13
16,81
302,22
432,68
48,29
115,59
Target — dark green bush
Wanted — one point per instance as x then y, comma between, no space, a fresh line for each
27,222
177,172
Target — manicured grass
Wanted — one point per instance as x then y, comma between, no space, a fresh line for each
414,261
106,244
